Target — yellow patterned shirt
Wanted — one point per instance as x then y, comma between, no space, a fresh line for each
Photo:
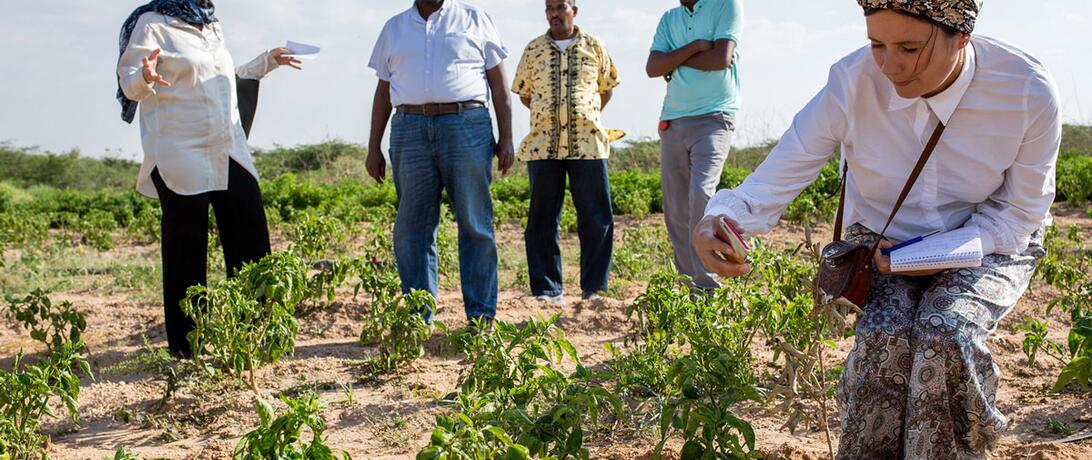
564,89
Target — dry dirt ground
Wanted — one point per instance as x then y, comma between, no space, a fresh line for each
390,418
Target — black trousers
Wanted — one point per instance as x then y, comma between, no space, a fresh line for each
590,188
244,234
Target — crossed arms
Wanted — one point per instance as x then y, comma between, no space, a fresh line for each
698,54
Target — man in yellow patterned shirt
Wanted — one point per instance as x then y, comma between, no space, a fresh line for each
566,79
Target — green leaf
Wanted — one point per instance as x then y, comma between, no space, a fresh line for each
1081,366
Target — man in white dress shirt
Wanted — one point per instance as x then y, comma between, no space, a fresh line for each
439,63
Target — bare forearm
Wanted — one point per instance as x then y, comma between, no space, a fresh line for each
502,101
718,58
604,99
503,108
663,63
526,101
381,114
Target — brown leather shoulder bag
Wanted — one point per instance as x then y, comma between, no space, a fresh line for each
846,269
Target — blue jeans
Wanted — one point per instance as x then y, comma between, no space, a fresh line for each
595,223
452,153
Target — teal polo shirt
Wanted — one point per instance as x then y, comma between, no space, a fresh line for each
694,92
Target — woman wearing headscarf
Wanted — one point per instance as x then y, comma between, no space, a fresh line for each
920,381
175,65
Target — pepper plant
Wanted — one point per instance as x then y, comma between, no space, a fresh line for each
248,321
280,438
53,324
25,393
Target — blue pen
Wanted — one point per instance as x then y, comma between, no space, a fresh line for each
888,251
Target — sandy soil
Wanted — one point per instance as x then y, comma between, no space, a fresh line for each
391,418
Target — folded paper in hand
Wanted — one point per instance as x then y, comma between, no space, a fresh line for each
960,248
301,50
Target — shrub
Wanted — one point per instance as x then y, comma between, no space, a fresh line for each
52,324
305,158
281,438
644,250
460,437
1075,180
819,201
732,177
397,326
25,393
313,235
514,384
6,196
249,321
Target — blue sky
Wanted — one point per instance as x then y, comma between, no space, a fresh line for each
58,86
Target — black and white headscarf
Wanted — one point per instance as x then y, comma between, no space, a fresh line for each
195,12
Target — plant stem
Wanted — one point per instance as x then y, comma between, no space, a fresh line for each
823,396
253,384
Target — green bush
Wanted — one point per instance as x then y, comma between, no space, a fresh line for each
1075,180
28,167
819,201
636,156
397,327
280,438
248,321
514,386
305,158
25,394
7,193
636,191
732,177
53,324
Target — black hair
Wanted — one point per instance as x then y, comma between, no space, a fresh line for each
948,30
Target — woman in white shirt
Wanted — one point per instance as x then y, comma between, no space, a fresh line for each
920,381
175,65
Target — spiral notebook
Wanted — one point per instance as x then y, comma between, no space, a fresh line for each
960,248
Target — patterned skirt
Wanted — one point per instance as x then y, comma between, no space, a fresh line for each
920,382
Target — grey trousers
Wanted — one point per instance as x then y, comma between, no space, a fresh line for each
692,155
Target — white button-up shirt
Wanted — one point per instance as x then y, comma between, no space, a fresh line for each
993,168
441,60
192,128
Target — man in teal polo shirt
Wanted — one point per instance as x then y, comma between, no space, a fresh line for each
696,50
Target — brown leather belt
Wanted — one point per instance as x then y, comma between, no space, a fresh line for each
432,110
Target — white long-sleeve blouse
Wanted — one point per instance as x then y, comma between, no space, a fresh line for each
994,167
191,129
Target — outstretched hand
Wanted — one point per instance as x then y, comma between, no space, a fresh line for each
279,54
151,76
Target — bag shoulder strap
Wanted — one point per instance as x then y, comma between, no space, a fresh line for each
841,204
925,155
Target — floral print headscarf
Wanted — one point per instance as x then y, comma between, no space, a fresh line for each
958,14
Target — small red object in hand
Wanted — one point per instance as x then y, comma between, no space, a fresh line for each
727,233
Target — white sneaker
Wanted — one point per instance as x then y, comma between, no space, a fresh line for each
551,299
592,296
